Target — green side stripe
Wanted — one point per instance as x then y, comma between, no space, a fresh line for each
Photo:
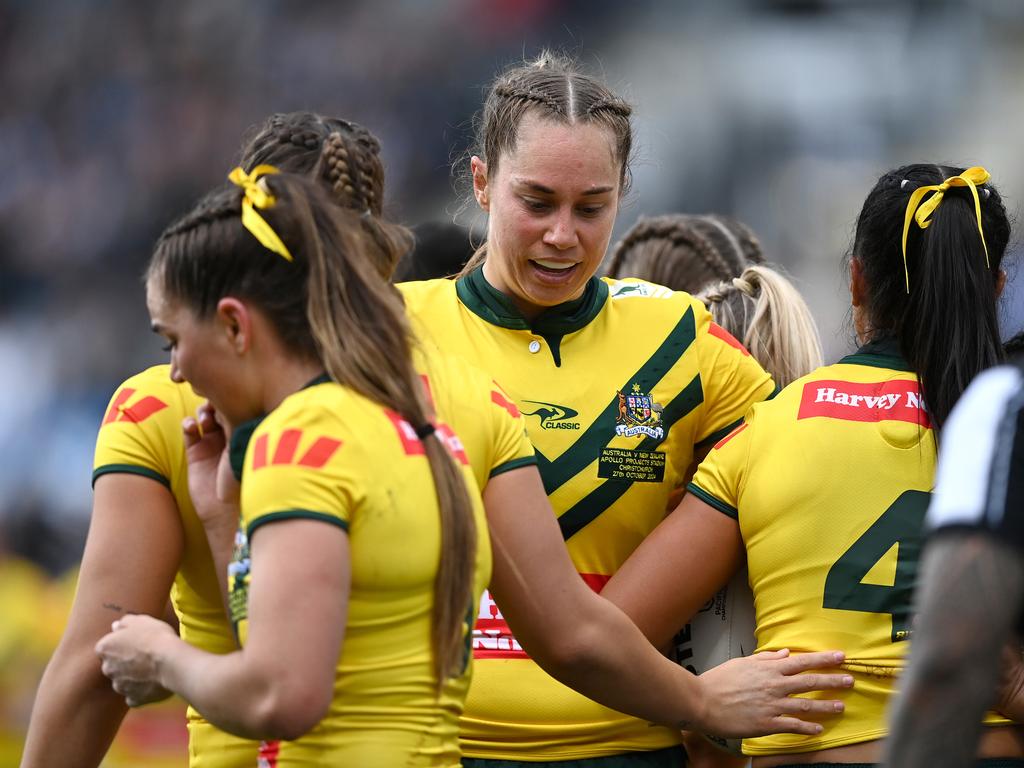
508,466
707,498
588,446
587,509
295,514
129,469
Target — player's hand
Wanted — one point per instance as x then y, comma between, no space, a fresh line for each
129,658
1011,690
753,696
211,483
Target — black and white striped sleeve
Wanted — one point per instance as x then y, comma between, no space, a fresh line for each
980,478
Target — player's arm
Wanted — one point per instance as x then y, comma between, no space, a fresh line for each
971,586
590,645
280,684
676,569
131,554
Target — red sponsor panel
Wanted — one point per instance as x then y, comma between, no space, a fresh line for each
730,436
410,443
142,410
259,453
455,446
115,407
492,638
500,400
266,756
286,446
319,453
893,400
720,333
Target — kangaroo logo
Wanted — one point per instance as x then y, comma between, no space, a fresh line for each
553,416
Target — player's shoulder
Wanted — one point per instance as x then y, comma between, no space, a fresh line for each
150,393
321,403
633,295
426,293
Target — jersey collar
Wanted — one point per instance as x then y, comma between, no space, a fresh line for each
881,352
486,301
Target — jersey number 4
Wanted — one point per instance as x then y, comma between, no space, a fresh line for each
899,525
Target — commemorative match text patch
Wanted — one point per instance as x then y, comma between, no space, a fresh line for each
638,466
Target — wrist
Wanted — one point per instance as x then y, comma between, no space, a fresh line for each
698,713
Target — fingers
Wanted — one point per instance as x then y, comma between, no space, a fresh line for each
804,661
794,706
190,429
817,682
207,418
784,724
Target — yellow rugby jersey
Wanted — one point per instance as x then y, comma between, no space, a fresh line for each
329,454
831,480
141,434
617,388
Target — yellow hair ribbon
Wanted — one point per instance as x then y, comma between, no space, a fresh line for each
256,195
921,212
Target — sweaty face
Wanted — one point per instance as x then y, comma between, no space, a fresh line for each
552,204
201,354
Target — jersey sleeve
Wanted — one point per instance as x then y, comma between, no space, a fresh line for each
732,379
513,448
141,428
719,477
980,476
296,468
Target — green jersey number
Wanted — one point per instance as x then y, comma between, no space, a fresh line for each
900,524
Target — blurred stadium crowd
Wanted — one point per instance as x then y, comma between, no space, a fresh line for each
116,113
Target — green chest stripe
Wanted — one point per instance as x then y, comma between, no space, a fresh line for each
588,447
587,509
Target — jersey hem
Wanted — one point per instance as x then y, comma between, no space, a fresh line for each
508,466
129,469
295,514
707,498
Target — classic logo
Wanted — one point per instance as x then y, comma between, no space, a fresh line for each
136,412
638,414
553,416
622,290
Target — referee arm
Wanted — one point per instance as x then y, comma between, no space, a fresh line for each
972,579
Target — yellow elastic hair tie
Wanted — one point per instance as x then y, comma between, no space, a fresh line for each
256,195
921,212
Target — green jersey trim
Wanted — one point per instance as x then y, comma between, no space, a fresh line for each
707,498
585,450
129,469
294,514
717,435
493,306
883,352
508,466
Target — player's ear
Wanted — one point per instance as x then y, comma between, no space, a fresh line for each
479,169
234,321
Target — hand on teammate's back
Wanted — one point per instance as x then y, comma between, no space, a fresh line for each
752,695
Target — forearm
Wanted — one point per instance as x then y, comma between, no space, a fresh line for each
228,690
970,589
76,713
610,661
220,535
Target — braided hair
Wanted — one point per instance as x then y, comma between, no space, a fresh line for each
685,252
344,157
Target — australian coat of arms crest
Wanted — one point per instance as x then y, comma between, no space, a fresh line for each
638,414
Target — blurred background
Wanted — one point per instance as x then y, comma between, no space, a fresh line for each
117,114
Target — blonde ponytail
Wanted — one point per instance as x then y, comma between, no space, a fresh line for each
763,310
